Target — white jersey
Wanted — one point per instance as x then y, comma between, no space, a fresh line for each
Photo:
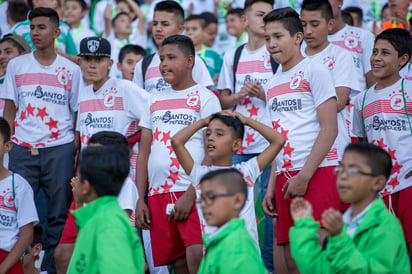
44,96
15,210
253,66
167,113
360,44
251,172
406,71
79,33
371,10
343,71
292,99
128,195
386,125
113,107
154,80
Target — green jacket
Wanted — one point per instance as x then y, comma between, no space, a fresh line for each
107,242
377,246
231,250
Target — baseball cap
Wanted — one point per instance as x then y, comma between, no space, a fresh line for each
95,46
19,40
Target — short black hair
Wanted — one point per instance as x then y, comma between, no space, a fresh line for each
319,5
131,48
249,3
37,235
376,158
356,10
237,11
229,178
347,18
184,43
400,39
288,17
45,12
117,17
82,3
107,138
197,17
172,7
17,11
238,129
5,130
209,17
6,38
105,167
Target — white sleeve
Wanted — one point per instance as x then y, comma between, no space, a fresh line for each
98,19
9,88
197,173
24,201
146,120
128,195
200,73
250,170
74,92
135,100
226,73
137,76
211,106
345,73
357,122
368,42
322,88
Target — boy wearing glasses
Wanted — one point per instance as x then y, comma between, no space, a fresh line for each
367,238
230,249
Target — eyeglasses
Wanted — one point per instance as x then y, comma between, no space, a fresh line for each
209,199
351,171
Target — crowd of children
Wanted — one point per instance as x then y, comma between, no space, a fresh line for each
146,136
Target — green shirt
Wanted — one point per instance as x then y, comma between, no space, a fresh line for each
64,41
212,59
377,246
231,250
107,242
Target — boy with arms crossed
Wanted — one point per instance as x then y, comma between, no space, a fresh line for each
172,216
305,166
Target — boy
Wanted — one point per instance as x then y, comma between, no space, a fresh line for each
367,238
236,26
168,20
74,11
175,234
40,90
357,15
210,30
303,108
18,213
223,138
382,116
16,13
32,253
106,243
401,13
317,19
195,25
371,11
129,55
230,249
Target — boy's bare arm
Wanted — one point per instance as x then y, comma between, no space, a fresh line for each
269,203
23,242
142,211
229,100
179,140
327,117
343,97
108,20
142,19
10,113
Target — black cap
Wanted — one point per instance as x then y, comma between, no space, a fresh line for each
95,46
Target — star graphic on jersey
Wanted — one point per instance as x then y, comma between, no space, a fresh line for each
15,124
22,115
392,153
287,150
41,112
174,176
166,187
246,101
156,190
385,192
249,138
202,227
170,148
396,168
166,137
84,139
287,164
393,182
52,124
275,124
350,106
381,143
55,135
284,133
156,134
241,150
30,110
253,111
175,162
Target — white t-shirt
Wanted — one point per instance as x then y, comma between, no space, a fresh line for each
128,195
292,99
113,107
79,33
343,71
387,126
154,81
167,113
43,96
253,66
406,71
98,18
15,211
251,172
360,43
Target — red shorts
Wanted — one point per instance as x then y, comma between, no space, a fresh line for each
321,193
69,234
170,238
17,268
401,205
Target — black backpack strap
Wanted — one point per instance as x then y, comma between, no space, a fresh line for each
145,65
274,65
236,58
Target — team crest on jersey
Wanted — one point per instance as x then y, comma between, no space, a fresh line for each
93,45
63,75
266,60
7,201
193,99
296,79
397,100
109,97
351,39
329,62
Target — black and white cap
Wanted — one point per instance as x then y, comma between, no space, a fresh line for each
95,46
